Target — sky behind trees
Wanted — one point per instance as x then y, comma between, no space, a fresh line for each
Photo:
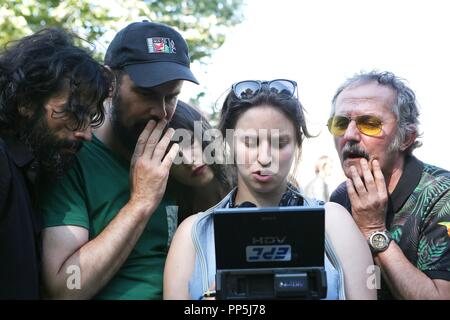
320,43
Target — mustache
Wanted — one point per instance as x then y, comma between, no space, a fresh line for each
354,151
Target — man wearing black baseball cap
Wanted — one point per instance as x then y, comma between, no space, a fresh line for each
108,222
150,53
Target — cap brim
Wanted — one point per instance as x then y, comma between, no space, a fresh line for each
156,73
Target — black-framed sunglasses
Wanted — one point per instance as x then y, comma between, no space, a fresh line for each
247,89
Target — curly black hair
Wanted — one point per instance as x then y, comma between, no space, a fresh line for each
46,63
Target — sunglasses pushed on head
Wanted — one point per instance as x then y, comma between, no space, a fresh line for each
248,89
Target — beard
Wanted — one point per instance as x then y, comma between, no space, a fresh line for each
128,136
48,149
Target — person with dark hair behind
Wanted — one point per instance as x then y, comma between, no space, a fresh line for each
51,95
196,185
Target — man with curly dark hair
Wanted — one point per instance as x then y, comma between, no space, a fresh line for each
51,95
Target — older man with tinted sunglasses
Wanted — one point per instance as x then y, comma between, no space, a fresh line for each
400,204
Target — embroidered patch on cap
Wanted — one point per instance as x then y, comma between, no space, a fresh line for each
161,45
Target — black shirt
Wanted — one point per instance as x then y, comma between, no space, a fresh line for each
19,226
418,217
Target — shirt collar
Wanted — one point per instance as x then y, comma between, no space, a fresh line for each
412,172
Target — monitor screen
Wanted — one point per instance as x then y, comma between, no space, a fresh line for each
279,237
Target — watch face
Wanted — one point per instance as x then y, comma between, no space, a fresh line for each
379,241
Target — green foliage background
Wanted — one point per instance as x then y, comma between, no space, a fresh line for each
203,23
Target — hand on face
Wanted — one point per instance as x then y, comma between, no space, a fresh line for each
150,165
368,197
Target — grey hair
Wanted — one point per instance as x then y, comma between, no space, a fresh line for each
405,109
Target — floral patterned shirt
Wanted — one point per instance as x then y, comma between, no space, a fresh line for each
418,217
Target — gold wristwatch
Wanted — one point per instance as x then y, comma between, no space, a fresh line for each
379,241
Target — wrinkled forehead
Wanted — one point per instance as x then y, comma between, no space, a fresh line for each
369,97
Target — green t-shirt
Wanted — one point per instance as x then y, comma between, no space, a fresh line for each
90,196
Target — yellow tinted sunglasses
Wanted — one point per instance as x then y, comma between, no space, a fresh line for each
366,124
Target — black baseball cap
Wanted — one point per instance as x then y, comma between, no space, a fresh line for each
151,54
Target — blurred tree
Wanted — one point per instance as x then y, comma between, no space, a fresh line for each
202,22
